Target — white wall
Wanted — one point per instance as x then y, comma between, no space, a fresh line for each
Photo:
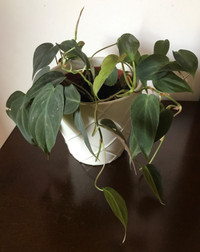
24,24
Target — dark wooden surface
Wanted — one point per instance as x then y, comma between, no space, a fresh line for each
52,205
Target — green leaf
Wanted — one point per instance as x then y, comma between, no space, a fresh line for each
45,116
18,110
171,83
107,123
52,77
43,56
78,122
172,66
154,180
107,67
133,145
145,118
165,121
112,78
117,205
74,51
41,72
161,47
129,45
151,65
112,127
187,60
72,99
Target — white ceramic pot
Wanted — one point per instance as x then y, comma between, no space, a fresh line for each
116,110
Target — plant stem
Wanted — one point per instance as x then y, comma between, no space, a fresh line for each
102,49
99,174
155,153
125,77
77,23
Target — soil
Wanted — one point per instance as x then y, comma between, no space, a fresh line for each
104,92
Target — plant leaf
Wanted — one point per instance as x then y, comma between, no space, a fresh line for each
107,67
133,145
117,205
74,51
41,72
129,45
150,65
45,116
161,47
78,122
154,180
43,56
187,60
52,77
165,121
18,110
171,83
112,78
72,99
145,118
112,126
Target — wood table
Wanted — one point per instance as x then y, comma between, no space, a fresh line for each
52,205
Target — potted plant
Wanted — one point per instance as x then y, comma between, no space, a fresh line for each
58,98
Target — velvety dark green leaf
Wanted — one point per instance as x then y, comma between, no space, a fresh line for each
151,65
172,66
43,56
133,145
72,99
187,60
45,116
107,67
112,127
52,77
41,72
165,121
112,78
161,47
117,204
18,110
78,122
145,118
153,179
129,45
171,83
74,51
107,123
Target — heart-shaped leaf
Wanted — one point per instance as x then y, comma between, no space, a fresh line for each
107,123
171,83
72,99
74,51
107,67
18,110
52,77
161,47
129,45
145,118
78,122
154,180
187,60
43,56
45,116
165,121
118,206
151,65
